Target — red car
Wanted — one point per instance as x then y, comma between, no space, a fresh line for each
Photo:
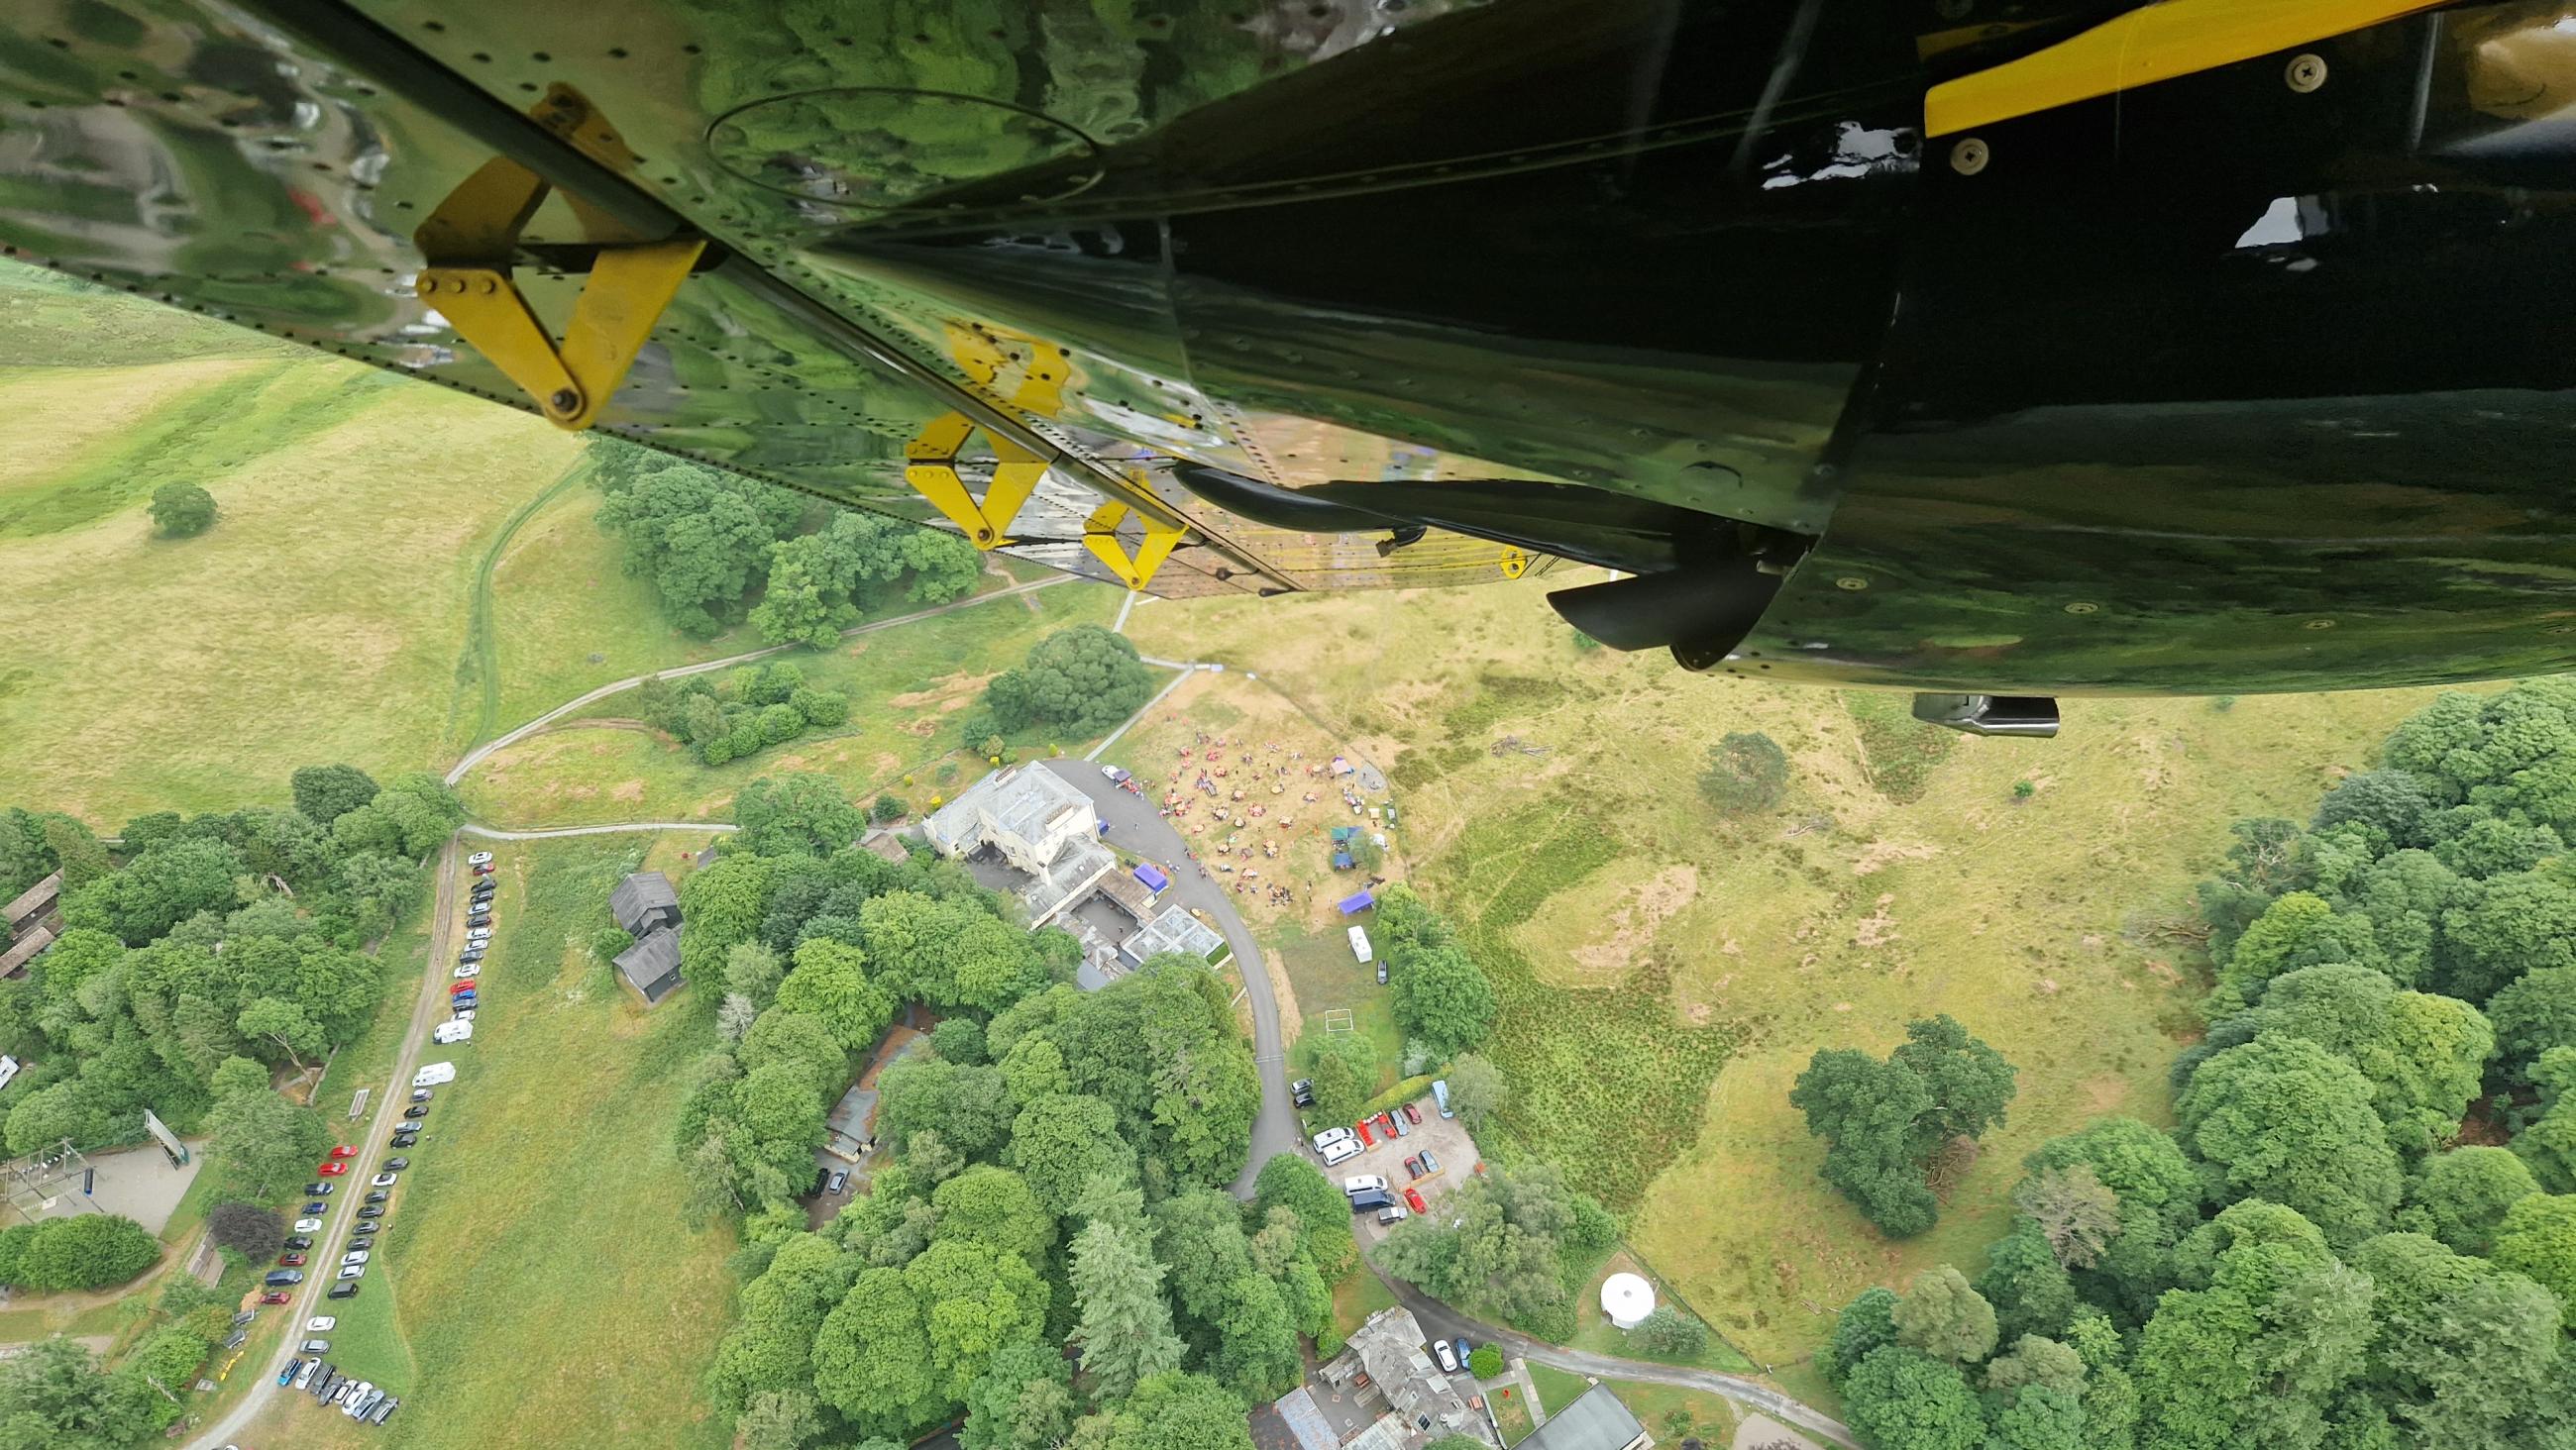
1413,1200
292,1261
332,1169
275,1298
460,987
1365,1140
483,870
344,1151
1412,1114
1385,1125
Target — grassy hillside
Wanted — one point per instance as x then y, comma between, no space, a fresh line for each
395,570
1667,971
534,1256
906,687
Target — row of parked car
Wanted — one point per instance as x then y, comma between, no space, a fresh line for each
1340,1145
358,1399
1369,1194
468,988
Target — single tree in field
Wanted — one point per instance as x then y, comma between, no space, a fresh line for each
1342,1067
182,510
1883,1122
1081,680
1747,772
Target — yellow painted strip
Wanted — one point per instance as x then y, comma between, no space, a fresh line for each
2157,43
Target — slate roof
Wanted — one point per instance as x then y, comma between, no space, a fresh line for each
652,965
642,899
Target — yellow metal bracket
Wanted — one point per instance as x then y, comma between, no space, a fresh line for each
2156,42
469,243
930,466
1514,562
1100,536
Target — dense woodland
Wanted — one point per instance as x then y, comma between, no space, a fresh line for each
199,941
1049,1173
2362,1230
200,960
720,549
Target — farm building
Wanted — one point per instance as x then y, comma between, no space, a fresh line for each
1036,834
644,901
1173,931
647,909
29,924
1593,1420
652,965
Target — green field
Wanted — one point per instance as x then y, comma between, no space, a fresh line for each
534,1256
351,510
392,568
1666,972
1556,1388
906,687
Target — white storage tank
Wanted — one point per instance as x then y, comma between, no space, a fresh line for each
1626,1300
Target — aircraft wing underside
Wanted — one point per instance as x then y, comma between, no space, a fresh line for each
2010,347
271,165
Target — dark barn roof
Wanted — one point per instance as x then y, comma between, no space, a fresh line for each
652,965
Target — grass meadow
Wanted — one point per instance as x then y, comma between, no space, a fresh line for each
1667,971
322,618
534,1252
907,687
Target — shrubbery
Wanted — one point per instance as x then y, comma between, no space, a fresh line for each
84,1251
1746,772
750,711
182,510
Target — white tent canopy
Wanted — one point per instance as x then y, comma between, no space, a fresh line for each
1627,1299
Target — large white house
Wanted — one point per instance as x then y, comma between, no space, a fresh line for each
1040,825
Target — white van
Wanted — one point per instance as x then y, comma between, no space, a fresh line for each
434,1074
1360,947
1342,1152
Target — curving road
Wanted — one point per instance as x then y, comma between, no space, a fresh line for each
1443,1322
475,756
391,1097
1138,825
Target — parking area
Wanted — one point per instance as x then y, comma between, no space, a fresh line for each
1452,1151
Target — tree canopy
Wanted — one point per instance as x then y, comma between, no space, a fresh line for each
1080,680
1883,1122
182,510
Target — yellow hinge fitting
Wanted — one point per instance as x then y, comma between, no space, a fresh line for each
469,242
1515,562
1100,536
2157,42
931,468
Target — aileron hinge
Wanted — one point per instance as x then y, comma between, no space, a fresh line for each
1100,536
931,468
470,242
